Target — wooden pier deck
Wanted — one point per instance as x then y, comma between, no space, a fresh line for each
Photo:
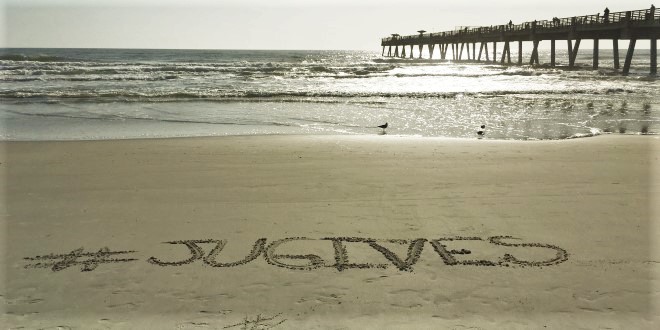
626,25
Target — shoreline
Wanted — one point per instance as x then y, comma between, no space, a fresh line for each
358,232
340,136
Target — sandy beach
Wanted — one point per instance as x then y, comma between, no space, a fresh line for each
331,232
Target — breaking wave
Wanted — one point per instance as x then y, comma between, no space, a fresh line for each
31,58
226,95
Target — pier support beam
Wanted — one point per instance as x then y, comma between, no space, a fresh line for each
575,51
403,51
460,54
615,52
506,43
411,51
396,51
421,47
431,47
654,56
443,51
629,55
572,52
552,52
494,51
389,52
484,47
520,52
474,50
535,53
595,56
486,50
506,52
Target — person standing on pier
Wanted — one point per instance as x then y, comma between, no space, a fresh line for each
606,15
649,15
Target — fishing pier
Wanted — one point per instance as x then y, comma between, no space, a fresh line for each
626,25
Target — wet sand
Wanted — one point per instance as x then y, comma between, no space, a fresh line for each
326,232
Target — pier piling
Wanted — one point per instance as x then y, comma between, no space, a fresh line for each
629,55
654,56
494,51
535,53
552,52
615,52
506,52
573,52
595,55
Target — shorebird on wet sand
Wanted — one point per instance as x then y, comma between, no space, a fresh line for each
482,131
384,126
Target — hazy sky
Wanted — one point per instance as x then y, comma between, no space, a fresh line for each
262,24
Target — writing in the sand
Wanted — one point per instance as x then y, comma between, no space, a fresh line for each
279,253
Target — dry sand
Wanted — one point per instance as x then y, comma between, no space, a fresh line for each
327,232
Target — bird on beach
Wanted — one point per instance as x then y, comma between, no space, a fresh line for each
482,131
384,126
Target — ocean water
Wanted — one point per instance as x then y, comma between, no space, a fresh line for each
75,94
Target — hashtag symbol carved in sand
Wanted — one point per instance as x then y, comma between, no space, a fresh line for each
88,260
